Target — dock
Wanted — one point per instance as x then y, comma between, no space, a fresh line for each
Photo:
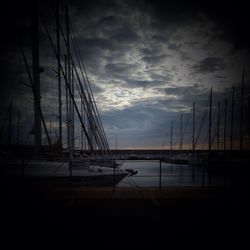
144,218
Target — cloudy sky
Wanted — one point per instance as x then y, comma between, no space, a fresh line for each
147,61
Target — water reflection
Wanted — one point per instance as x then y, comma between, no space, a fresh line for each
171,175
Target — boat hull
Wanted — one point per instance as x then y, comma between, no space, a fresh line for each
60,174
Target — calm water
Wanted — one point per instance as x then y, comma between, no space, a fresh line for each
172,175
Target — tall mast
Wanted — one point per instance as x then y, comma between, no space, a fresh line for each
70,121
181,134
91,135
193,147
59,72
225,124
248,104
232,119
72,107
218,127
82,114
210,120
85,122
36,98
10,124
67,97
67,84
18,128
36,74
241,111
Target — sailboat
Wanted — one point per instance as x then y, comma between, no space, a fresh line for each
96,168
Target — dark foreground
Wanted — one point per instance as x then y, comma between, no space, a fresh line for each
52,216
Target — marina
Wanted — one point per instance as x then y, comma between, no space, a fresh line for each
104,144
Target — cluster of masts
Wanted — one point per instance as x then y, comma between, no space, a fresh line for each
70,71
214,132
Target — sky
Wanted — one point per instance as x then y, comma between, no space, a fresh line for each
147,62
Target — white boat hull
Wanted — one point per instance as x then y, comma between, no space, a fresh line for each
60,173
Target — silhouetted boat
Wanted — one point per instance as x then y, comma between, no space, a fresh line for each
96,169
60,172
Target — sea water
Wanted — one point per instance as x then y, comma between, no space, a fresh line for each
172,175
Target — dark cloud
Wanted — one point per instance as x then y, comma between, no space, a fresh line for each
125,35
96,43
184,90
232,23
107,21
208,65
142,83
166,77
231,20
174,46
156,59
184,96
132,45
119,69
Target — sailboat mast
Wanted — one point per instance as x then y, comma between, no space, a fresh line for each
36,98
181,134
10,124
72,107
218,127
65,76
171,136
82,114
18,128
70,120
84,121
59,72
67,97
241,111
225,124
193,147
248,105
90,124
210,120
36,74
232,119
